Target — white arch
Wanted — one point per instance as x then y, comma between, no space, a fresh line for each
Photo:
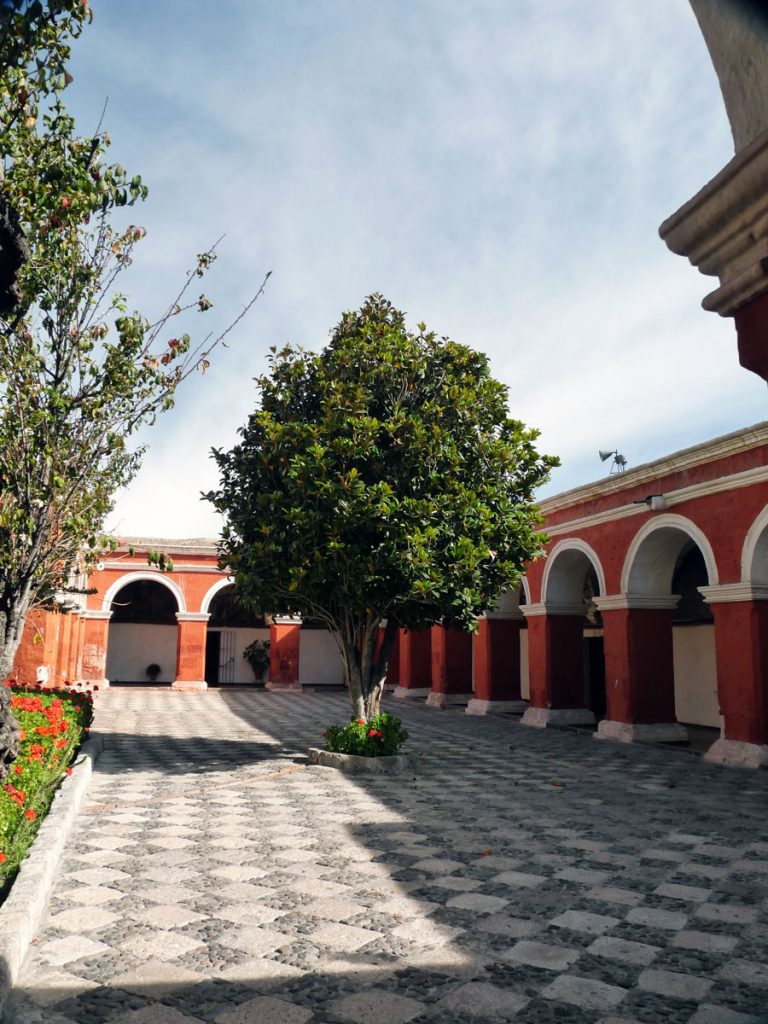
649,571
565,590
133,577
754,554
214,590
526,588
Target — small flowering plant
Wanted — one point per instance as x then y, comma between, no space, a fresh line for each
53,724
379,736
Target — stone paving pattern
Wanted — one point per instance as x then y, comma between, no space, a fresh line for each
521,875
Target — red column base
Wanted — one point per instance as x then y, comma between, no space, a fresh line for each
737,754
189,685
540,718
642,732
496,707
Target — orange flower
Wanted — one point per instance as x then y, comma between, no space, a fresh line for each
2,857
31,815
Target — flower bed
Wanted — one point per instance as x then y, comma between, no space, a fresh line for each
53,725
382,736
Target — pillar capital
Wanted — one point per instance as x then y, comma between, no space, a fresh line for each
727,593
192,616
530,611
636,602
98,614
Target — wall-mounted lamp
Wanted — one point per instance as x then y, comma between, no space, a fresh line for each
655,502
619,463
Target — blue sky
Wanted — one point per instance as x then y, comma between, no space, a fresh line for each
497,168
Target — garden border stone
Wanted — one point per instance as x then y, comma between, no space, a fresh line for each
22,913
389,764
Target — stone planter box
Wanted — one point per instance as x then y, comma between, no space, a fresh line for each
393,764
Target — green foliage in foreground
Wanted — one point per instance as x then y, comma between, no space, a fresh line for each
53,724
382,734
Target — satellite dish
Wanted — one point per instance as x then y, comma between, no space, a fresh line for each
604,455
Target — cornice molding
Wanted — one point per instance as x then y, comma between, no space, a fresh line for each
551,608
723,229
729,593
96,613
732,482
639,602
192,616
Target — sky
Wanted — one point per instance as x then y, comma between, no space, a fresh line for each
496,168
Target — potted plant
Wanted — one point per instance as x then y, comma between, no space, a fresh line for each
152,672
362,746
257,656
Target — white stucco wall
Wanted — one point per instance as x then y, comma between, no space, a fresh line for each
241,670
525,688
319,659
695,675
134,646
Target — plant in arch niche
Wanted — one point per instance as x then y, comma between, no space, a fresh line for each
80,371
379,484
257,656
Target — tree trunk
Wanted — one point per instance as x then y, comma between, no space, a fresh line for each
365,668
11,627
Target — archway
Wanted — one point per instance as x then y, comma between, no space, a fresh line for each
232,628
142,630
668,562
573,578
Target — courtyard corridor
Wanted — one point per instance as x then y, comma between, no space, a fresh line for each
523,875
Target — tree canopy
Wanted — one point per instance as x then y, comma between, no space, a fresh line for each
380,481
80,371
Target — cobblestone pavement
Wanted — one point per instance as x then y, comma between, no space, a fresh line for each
524,875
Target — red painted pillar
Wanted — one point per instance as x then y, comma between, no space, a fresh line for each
393,665
190,651
496,667
284,647
741,650
451,656
75,648
62,676
639,671
556,668
93,667
415,664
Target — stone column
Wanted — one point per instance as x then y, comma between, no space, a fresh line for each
496,667
284,648
415,664
639,670
451,667
93,669
190,651
556,665
741,650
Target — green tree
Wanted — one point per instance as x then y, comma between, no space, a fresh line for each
381,482
80,372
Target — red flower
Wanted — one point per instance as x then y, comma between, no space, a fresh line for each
23,734
2,858
19,770
60,744
67,771
360,721
31,815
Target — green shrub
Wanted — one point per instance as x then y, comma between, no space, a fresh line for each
53,725
381,735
